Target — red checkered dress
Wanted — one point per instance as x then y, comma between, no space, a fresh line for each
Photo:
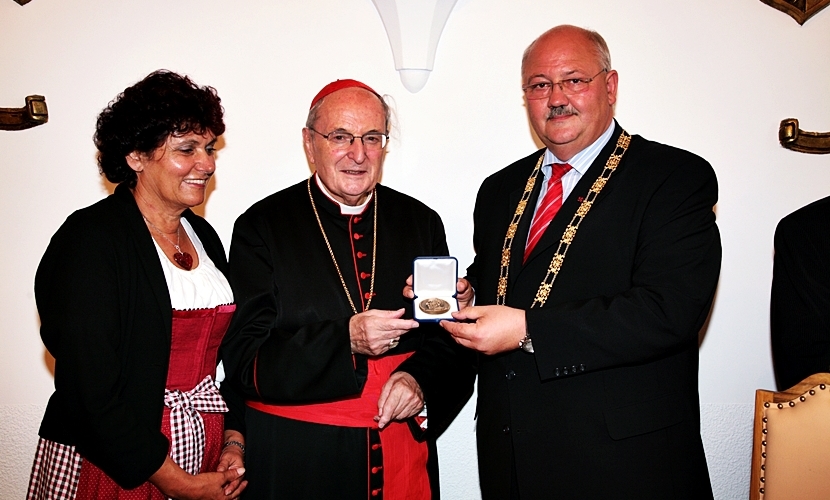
55,472
193,419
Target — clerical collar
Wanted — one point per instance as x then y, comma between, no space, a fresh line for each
582,160
344,209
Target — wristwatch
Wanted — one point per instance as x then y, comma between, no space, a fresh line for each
526,344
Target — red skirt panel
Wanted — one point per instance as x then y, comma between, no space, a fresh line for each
95,485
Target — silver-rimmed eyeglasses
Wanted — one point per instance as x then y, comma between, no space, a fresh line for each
372,141
541,89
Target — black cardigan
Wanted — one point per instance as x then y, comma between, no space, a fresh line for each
106,317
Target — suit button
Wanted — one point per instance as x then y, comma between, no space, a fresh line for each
582,368
510,375
556,372
506,429
565,370
573,369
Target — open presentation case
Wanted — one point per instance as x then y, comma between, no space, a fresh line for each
433,282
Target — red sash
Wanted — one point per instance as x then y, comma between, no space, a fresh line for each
404,458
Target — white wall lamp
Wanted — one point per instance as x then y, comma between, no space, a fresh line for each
414,28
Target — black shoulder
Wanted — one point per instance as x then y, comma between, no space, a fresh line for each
665,158
284,200
102,220
92,235
391,197
519,171
806,218
815,212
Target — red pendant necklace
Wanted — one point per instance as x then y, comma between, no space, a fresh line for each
183,259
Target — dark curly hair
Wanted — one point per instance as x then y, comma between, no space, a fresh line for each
143,116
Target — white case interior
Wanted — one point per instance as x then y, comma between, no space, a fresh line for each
434,278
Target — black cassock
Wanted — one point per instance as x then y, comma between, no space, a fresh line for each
289,341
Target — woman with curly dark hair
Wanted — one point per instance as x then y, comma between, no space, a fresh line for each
134,303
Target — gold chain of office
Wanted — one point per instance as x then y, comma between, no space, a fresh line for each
331,252
570,231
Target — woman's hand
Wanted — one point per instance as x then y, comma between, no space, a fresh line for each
233,458
176,483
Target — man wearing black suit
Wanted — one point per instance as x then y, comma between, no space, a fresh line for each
588,372
800,308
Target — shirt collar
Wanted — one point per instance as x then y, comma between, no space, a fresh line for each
344,209
582,160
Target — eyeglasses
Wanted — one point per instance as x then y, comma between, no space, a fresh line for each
373,141
569,86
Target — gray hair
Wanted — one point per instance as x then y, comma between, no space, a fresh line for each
600,47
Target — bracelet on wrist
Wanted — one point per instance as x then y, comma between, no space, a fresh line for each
234,443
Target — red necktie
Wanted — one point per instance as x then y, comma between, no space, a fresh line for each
548,208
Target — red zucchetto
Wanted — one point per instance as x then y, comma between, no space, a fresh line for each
340,85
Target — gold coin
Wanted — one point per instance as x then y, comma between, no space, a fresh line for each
434,306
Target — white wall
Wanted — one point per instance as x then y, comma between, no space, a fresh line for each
711,76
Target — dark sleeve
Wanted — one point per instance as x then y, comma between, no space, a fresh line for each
446,373
235,418
800,300
482,200
79,292
310,364
673,277
443,369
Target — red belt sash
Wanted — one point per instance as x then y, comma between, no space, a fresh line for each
353,412
404,459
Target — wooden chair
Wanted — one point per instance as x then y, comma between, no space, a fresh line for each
791,442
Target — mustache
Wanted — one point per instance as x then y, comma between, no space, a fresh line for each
564,110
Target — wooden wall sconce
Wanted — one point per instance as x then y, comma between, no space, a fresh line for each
34,113
800,10
792,137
